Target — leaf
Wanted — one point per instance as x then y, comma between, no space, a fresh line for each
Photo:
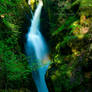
65,25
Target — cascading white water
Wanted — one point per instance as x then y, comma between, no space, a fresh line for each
37,51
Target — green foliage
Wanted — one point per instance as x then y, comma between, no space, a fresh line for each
70,40
8,6
13,64
71,37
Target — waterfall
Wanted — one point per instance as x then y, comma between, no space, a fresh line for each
37,51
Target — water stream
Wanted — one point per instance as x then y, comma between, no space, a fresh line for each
37,51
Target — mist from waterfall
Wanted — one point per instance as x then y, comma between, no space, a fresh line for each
37,51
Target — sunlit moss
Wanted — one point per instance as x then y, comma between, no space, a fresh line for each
82,19
80,28
53,77
57,59
31,2
75,28
75,52
58,46
58,73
